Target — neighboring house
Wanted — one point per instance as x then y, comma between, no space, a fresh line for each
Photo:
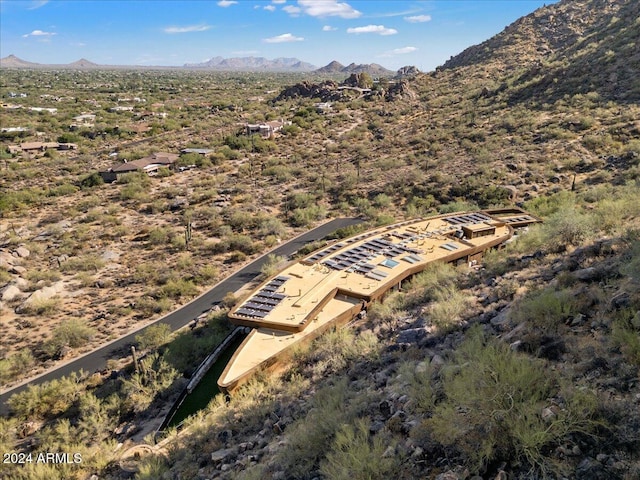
84,120
266,129
121,108
41,147
52,111
149,165
200,151
323,107
34,147
14,129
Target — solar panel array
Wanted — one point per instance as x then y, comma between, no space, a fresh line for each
265,300
524,218
327,251
476,217
356,259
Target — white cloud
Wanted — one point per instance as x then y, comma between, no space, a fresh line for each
271,8
328,28
291,10
39,33
418,19
398,51
190,28
37,4
226,3
328,8
279,1
284,38
379,29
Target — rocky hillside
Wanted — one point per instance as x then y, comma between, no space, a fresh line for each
569,47
372,69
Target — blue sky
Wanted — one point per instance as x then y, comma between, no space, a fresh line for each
393,33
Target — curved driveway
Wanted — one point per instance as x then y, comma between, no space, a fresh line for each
97,360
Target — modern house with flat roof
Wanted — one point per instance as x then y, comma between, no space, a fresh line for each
331,286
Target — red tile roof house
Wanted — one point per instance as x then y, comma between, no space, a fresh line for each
149,165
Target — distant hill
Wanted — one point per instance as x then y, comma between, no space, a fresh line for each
372,69
83,63
253,64
14,62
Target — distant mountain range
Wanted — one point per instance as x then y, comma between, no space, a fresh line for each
237,64
252,64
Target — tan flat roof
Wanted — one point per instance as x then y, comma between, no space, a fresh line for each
364,267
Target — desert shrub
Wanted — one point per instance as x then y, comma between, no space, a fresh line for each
388,310
72,333
492,403
356,453
335,349
91,180
239,242
546,309
568,227
147,306
134,191
423,286
547,205
155,375
206,273
44,306
448,307
5,276
302,217
15,365
308,438
152,467
178,288
153,336
84,263
418,382
459,206
626,334
160,236
272,226
229,300
273,264
39,275
49,398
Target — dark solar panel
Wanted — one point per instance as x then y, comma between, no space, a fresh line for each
258,306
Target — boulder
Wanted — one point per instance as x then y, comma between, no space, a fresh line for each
10,292
40,295
6,260
18,270
22,252
220,456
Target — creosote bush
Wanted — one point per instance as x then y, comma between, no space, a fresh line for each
492,405
71,333
356,453
546,309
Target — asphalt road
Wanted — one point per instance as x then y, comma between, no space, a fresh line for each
97,360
